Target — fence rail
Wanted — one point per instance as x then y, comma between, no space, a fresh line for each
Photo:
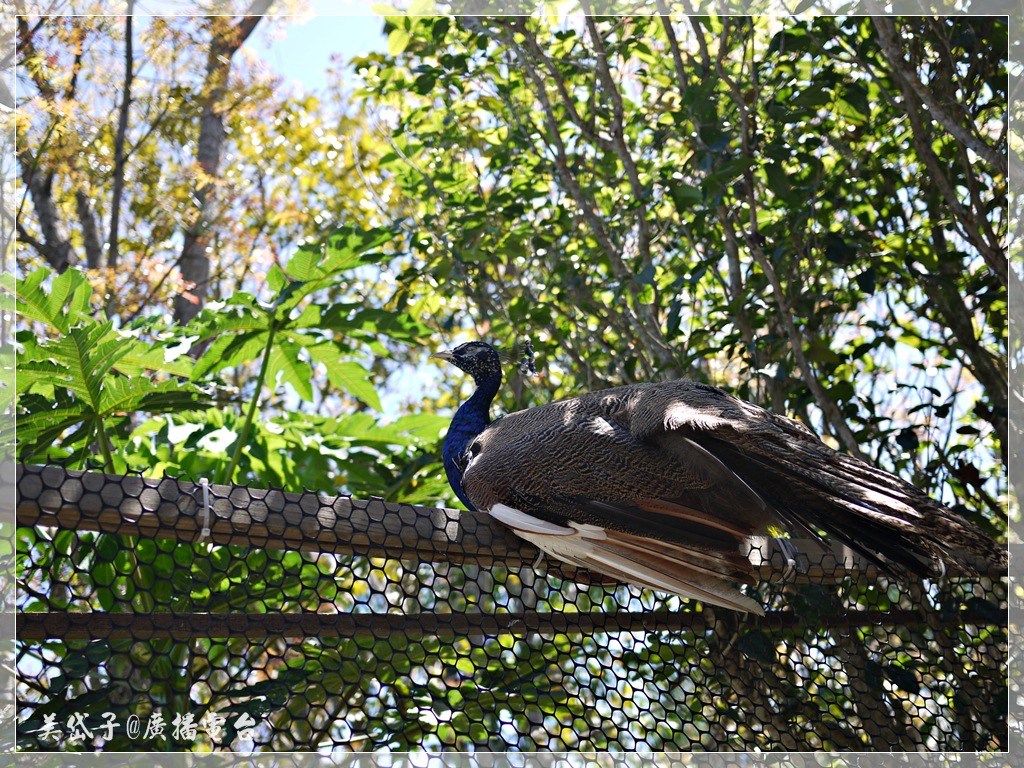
56,497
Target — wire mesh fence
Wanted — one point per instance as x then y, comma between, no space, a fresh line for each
163,614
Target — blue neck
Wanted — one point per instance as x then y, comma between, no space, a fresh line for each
469,421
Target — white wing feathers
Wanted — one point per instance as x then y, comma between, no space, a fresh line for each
661,566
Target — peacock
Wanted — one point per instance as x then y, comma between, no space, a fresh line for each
662,484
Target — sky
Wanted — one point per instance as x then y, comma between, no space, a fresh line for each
300,50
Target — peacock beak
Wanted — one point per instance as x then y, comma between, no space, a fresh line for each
444,354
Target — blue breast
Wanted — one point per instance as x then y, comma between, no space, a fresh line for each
469,421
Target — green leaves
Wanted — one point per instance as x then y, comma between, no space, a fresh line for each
298,327
736,219
61,306
86,377
81,380
343,249
347,376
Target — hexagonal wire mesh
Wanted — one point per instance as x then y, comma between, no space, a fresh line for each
309,622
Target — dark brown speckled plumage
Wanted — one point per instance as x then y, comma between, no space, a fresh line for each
676,476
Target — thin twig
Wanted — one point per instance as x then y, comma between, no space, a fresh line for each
891,49
828,406
119,142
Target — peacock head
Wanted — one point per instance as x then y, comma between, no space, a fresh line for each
477,358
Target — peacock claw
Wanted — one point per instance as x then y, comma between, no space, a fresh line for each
796,563
539,563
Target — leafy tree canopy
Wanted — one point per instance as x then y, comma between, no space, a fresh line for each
809,212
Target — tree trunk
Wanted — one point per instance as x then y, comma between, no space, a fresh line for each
55,246
119,140
90,232
195,257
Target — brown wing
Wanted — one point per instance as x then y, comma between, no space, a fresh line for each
679,475
808,485
578,460
650,518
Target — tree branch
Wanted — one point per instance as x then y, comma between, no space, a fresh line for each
596,224
55,247
619,139
561,160
827,405
113,245
26,237
943,293
76,66
27,47
890,48
698,33
90,232
651,329
586,128
673,45
195,260
922,136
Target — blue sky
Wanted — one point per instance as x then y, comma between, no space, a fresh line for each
301,49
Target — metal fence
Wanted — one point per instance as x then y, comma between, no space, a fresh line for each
163,614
